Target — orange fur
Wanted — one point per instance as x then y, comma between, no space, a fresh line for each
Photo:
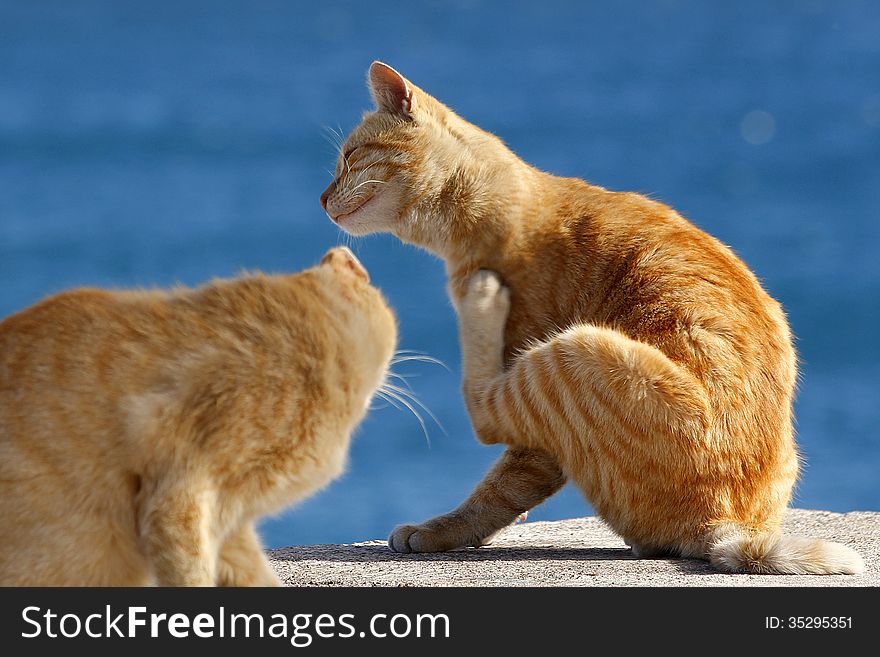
142,434
638,356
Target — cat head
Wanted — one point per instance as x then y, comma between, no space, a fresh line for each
404,164
362,314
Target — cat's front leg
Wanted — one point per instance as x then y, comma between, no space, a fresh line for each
176,529
242,561
520,480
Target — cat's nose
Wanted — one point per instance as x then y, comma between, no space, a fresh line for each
326,194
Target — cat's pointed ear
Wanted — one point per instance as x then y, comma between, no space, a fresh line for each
343,260
390,89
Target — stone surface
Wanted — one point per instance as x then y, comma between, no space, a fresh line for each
580,552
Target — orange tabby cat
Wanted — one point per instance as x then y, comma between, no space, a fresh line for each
143,433
640,358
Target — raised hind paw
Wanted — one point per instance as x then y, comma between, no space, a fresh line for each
486,300
482,316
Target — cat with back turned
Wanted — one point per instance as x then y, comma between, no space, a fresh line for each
605,339
143,433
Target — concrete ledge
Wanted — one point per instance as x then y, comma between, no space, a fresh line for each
580,552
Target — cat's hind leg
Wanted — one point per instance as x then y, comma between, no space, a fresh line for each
242,561
587,385
627,424
648,552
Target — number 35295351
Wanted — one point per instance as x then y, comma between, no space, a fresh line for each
808,622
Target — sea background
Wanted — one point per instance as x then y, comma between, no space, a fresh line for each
148,144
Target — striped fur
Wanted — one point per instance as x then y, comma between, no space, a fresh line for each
617,345
142,434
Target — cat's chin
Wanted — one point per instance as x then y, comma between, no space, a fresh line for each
372,216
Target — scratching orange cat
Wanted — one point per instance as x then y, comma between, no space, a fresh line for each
615,344
143,433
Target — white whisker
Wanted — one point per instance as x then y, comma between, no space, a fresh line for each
381,393
404,356
387,394
333,138
407,394
373,407
378,182
402,379
367,168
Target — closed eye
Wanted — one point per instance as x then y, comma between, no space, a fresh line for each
344,160
342,163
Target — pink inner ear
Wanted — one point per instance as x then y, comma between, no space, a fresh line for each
390,89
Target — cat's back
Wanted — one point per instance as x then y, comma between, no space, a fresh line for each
60,381
71,343
624,261
60,316
652,273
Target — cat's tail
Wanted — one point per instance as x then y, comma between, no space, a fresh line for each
735,550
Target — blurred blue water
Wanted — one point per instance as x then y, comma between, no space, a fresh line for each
148,144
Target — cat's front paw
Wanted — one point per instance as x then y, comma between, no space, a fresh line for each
418,538
486,299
